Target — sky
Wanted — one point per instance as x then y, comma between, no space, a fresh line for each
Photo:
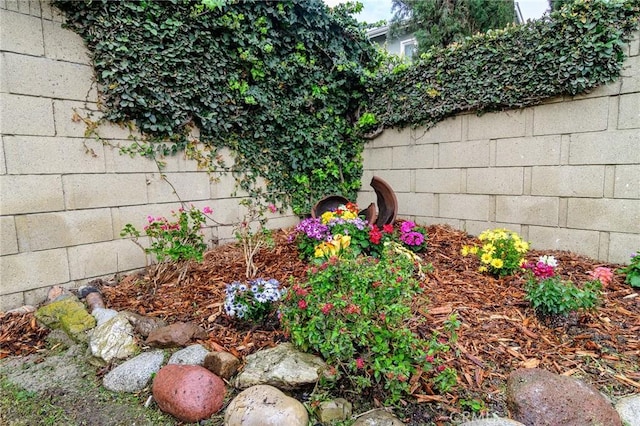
375,10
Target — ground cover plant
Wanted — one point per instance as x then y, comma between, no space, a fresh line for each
496,329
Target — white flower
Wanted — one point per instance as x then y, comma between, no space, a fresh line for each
548,260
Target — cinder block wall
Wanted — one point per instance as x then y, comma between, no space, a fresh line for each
63,198
565,174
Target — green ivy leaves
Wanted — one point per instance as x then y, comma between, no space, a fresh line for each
277,82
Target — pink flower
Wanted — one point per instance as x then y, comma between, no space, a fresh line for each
302,304
326,308
602,274
383,316
207,210
272,208
359,363
440,368
429,358
407,226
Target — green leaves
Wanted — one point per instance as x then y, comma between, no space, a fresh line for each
576,49
277,83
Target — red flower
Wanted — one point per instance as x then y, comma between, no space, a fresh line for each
375,235
429,358
302,304
353,309
383,316
440,368
388,228
360,363
326,308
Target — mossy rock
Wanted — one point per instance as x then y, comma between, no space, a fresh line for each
68,314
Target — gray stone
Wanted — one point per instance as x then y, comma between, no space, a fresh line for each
379,417
283,367
334,410
113,339
537,397
497,421
191,355
629,410
265,405
135,374
221,363
103,315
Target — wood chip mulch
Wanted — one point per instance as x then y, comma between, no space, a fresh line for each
499,331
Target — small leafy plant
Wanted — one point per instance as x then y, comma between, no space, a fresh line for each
352,311
502,252
550,295
632,271
253,301
176,241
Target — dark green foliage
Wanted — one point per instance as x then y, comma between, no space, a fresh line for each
557,4
278,82
576,49
441,22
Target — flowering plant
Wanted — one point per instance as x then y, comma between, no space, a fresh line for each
252,240
252,301
352,311
502,251
632,270
177,240
550,295
413,236
339,229
172,241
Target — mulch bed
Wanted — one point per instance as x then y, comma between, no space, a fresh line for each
499,331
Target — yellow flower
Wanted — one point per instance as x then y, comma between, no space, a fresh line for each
326,217
465,250
482,269
349,215
522,261
497,263
486,258
489,248
473,250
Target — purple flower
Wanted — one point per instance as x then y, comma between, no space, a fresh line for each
412,238
313,228
407,227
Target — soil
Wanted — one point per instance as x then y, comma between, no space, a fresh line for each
499,332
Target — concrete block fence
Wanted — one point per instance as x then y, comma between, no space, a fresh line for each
565,174
64,199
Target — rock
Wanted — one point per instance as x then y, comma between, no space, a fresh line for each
103,315
143,325
188,392
68,314
57,293
378,417
283,367
265,405
113,339
539,398
498,421
178,334
335,410
24,309
223,364
94,301
133,375
629,410
191,355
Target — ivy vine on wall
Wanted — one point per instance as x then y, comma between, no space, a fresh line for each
293,88
278,82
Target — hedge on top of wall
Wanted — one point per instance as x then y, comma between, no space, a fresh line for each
573,50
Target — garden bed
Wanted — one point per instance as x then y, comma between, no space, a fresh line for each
499,331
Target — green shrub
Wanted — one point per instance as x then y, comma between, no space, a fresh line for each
353,312
632,271
553,296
